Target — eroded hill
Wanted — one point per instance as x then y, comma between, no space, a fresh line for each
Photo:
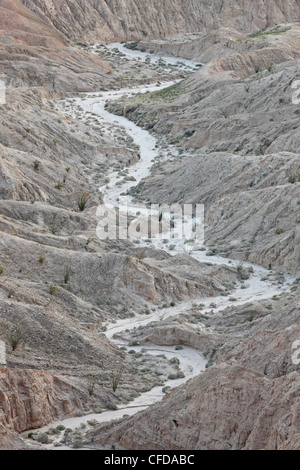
237,134
118,20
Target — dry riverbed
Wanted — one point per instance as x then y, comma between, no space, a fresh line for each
171,365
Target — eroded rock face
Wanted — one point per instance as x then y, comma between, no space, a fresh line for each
36,54
45,162
245,134
30,399
118,19
229,50
251,207
227,407
31,29
247,400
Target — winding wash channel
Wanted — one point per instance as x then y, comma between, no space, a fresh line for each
192,362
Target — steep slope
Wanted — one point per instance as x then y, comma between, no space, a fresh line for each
29,399
21,24
24,26
249,399
33,53
251,204
231,50
60,285
226,408
237,119
119,19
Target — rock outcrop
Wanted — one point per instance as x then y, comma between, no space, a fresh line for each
30,399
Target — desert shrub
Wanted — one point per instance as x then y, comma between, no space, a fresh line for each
77,444
172,377
52,290
174,360
91,385
82,201
16,335
54,229
43,438
10,293
180,375
111,406
293,177
60,427
116,377
67,274
36,165
209,364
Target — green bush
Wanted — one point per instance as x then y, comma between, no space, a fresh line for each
172,377
174,360
60,427
16,335
43,438
180,375
82,201
77,444
111,406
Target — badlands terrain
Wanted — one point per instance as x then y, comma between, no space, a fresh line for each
150,344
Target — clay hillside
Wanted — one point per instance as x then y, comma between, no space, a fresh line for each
177,102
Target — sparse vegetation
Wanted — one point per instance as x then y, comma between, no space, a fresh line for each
67,274
116,377
43,438
294,177
213,142
263,33
82,201
111,406
77,444
53,290
36,165
91,385
16,335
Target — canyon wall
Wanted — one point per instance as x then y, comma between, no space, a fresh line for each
30,399
110,20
